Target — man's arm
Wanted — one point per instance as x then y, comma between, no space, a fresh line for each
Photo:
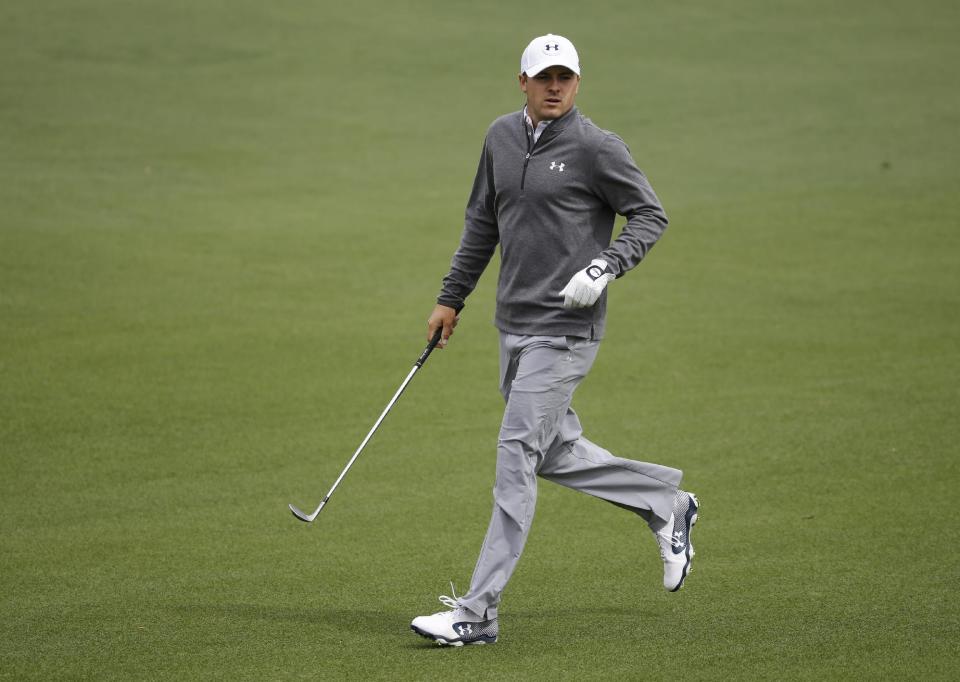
626,189
477,244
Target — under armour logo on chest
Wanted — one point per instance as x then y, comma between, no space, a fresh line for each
557,166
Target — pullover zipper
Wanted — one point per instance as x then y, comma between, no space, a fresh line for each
531,145
526,160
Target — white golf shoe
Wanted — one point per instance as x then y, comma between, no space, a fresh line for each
456,627
676,548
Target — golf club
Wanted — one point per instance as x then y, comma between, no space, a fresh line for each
303,516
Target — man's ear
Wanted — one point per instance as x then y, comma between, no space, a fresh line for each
523,82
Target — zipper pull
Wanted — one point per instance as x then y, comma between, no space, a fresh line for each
527,156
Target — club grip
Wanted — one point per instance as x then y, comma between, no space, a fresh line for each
429,349
433,343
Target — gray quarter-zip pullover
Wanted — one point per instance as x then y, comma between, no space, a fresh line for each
551,205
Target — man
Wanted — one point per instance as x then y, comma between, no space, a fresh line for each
548,188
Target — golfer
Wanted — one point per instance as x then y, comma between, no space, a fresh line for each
548,188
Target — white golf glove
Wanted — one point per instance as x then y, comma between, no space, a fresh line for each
585,287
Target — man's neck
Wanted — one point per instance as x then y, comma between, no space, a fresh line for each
547,121
537,127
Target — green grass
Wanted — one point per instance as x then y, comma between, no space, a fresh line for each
222,226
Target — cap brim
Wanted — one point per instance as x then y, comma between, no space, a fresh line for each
537,68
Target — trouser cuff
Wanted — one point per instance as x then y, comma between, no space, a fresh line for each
479,610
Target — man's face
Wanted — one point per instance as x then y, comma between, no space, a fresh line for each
550,94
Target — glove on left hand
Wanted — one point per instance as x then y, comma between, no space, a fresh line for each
585,287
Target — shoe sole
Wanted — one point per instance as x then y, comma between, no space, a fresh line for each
690,552
453,642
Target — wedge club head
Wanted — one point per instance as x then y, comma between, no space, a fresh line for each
303,516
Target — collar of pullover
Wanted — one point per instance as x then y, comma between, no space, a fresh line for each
550,128
541,126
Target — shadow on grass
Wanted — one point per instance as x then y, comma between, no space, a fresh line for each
578,625
394,624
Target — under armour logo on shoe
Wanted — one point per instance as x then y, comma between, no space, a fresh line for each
465,629
677,540
557,166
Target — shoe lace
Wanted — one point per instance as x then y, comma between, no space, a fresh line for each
453,602
673,540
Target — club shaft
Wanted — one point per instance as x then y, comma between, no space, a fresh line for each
366,440
417,365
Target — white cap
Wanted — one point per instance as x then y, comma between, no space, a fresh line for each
549,50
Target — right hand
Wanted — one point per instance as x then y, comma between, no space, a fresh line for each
445,317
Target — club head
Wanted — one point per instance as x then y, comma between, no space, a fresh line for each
308,518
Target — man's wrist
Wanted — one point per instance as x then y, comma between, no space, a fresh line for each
450,301
597,269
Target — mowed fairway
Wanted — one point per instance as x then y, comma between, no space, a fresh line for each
222,228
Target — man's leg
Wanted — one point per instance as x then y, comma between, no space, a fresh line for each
538,377
649,490
577,463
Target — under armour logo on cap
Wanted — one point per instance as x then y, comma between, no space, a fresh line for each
555,47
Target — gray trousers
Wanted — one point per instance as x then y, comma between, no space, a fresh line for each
541,436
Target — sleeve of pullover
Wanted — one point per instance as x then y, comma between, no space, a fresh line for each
626,189
479,240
